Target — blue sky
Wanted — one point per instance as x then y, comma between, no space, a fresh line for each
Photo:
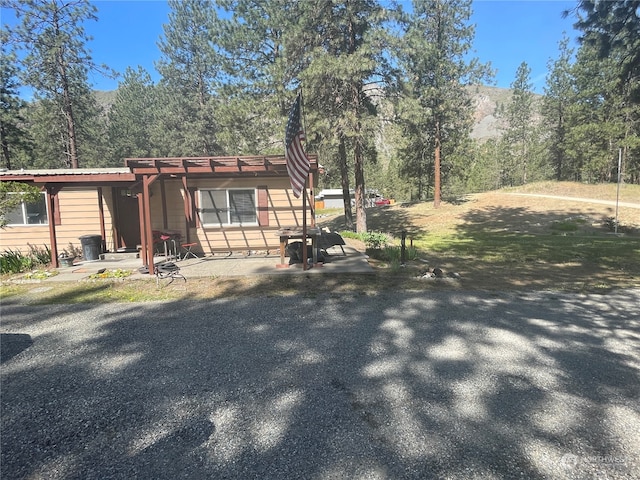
508,32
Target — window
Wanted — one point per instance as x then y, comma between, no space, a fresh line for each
228,207
29,213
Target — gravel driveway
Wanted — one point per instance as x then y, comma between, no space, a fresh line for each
393,386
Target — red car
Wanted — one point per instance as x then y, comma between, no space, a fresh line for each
382,201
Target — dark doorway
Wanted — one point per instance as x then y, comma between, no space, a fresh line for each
127,220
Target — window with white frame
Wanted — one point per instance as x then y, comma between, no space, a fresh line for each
228,207
32,213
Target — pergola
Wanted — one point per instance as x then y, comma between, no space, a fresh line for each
149,170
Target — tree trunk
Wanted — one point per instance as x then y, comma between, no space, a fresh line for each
67,106
361,213
5,147
344,178
436,173
71,129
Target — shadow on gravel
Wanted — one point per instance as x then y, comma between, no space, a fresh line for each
11,344
393,386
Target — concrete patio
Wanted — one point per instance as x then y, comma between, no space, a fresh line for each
352,261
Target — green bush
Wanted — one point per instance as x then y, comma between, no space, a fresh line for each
393,254
40,256
375,240
15,262
11,262
372,240
350,234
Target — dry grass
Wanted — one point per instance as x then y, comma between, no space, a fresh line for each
498,240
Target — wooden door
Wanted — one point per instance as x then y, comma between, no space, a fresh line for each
127,220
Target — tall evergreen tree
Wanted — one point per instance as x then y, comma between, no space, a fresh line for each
57,62
559,95
189,66
433,56
611,34
520,132
598,122
132,116
259,73
14,139
610,27
343,75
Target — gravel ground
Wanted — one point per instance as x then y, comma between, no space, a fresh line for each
392,386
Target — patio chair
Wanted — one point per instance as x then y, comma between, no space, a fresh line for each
330,239
167,270
187,249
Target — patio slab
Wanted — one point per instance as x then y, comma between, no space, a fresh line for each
219,265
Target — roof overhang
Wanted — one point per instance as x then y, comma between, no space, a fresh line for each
84,176
238,166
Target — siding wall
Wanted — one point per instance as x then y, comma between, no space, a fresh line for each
79,215
284,211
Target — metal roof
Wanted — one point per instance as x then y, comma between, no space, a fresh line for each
65,171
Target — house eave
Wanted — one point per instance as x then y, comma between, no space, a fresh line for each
83,176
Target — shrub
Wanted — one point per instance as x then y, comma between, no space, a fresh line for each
350,234
40,256
375,240
393,254
15,262
11,262
610,224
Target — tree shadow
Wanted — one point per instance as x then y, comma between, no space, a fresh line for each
11,344
389,220
394,385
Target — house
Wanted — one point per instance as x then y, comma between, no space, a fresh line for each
333,198
222,204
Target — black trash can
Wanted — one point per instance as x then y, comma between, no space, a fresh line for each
91,246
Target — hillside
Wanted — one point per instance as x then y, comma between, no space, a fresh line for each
488,102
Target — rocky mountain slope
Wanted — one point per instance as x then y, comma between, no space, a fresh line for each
489,107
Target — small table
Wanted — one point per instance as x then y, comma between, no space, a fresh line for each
288,233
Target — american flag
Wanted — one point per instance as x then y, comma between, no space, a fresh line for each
297,161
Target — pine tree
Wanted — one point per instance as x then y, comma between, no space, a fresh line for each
337,50
56,63
559,95
432,54
599,121
255,93
189,67
132,116
611,30
14,139
520,133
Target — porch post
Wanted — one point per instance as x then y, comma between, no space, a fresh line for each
143,230
163,198
312,199
103,233
147,180
51,193
188,213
